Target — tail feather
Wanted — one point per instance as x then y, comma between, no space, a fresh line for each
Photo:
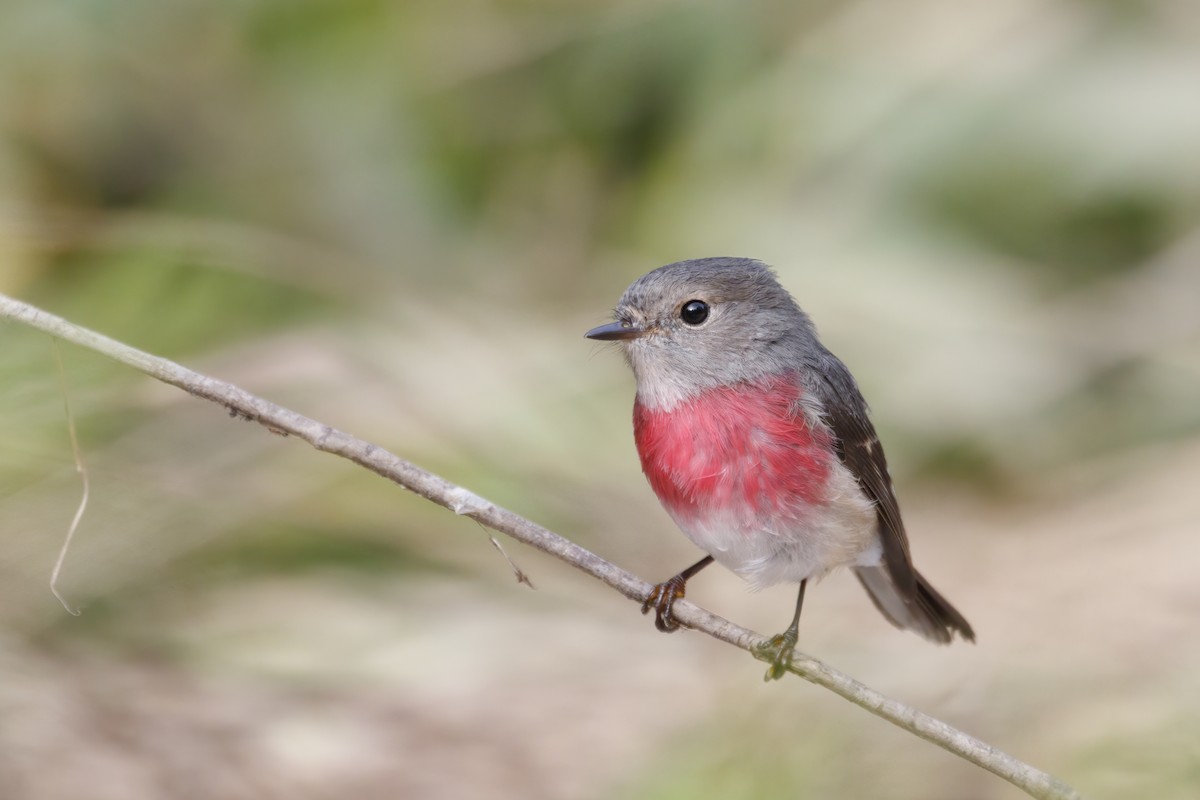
926,612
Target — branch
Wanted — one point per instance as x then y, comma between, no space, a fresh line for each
464,502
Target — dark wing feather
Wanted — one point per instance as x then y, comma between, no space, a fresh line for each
857,444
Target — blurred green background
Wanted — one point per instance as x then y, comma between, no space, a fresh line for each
400,217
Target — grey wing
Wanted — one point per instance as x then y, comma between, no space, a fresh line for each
845,412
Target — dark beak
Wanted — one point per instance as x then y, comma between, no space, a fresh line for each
615,331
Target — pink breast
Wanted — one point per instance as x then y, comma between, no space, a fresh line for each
745,452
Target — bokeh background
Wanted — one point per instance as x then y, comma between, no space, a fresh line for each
400,217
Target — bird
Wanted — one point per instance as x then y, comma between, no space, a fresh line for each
758,443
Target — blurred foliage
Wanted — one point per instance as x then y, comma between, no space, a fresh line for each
1031,213
400,217
129,294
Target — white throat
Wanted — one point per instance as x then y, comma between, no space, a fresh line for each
659,388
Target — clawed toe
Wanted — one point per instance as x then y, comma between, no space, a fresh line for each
663,596
662,599
779,650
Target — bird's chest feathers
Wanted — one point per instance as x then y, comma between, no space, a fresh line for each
745,454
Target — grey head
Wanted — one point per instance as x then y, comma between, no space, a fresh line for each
695,325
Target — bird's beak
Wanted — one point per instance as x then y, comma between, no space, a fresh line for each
615,331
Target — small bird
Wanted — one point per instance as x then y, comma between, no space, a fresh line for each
757,442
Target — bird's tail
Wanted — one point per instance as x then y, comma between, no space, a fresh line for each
926,612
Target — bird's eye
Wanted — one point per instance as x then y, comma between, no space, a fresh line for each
694,312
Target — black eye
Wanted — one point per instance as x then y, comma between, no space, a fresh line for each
694,312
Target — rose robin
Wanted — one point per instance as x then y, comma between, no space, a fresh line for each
757,441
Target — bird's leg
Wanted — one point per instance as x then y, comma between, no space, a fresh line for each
663,596
781,647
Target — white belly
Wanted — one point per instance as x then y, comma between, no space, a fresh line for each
806,542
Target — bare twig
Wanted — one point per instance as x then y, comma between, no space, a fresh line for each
518,573
462,501
83,476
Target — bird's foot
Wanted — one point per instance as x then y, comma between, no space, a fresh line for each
662,599
779,651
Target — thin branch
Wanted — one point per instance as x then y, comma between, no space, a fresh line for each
466,503
518,573
83,476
